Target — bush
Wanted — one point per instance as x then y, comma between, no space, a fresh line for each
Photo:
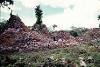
74,33
2,26
97,59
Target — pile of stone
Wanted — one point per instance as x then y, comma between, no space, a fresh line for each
15,22
18,37
63,37
21,40
92,34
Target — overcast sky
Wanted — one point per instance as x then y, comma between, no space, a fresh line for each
64,13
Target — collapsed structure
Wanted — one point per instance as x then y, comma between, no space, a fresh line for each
19,37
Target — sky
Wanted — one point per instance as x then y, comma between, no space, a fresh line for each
63,13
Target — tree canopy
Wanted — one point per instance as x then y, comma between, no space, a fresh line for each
98,17
38,13
2,26
6,2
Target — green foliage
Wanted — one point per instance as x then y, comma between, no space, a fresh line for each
74,33
97,59
99,25
38,13
98,17
2,26
78,31
54,57
6,2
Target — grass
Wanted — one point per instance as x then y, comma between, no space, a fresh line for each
69,53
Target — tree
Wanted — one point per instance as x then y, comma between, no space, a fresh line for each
6,2
2,26
78,31
74,33
38,13
54,26
38,25
98,17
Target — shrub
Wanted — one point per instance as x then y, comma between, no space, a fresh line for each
74,33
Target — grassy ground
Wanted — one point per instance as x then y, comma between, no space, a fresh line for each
72,53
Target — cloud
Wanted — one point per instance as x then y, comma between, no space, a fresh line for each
48,10
29,3
28,20
84,13
5,10
12,7
3,18
53,3
57,3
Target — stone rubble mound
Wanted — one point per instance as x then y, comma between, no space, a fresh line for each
18,37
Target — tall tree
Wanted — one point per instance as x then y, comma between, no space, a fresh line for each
38,13
6,2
